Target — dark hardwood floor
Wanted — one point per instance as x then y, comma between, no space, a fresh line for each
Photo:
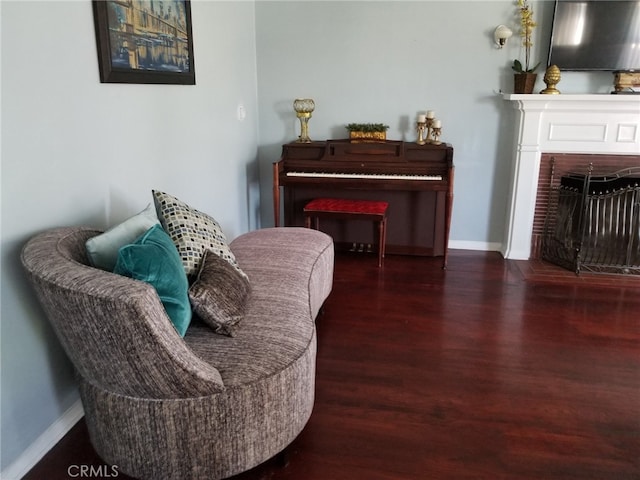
491,369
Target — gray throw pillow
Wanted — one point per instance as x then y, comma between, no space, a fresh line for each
220,294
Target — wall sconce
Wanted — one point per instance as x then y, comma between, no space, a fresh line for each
501,34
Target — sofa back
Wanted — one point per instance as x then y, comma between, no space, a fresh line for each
114,329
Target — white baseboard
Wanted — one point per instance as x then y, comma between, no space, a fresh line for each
482,246
45,442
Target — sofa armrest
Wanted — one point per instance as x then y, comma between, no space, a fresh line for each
303,255
114,329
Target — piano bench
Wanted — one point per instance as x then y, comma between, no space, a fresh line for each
345,209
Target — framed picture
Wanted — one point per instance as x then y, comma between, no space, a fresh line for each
144,41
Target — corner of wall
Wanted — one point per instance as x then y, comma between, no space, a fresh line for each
45,442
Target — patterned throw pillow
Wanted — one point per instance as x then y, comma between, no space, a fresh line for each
192,232
220,294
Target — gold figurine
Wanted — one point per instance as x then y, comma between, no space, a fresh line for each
551,79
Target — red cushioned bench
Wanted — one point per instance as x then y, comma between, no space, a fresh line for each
345,209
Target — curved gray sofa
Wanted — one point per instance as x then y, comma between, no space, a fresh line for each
204,407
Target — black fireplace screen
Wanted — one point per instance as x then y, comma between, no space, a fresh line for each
593,223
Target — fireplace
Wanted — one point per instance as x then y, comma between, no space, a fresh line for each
573,128
553,166
592,222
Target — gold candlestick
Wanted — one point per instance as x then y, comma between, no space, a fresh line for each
421,127
304,107
435,134
429,128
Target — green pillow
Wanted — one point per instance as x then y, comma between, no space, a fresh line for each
153,258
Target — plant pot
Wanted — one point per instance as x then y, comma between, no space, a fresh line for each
356,137
524,82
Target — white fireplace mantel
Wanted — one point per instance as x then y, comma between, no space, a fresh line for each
595,124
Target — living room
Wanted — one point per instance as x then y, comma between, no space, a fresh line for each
79,152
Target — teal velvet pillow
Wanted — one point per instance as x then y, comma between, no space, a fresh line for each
153,258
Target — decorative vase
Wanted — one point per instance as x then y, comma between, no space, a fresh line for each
524,82
304,108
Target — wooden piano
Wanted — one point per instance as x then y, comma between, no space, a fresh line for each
416,180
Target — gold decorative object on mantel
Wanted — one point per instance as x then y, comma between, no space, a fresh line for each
626,81
551,79
304,107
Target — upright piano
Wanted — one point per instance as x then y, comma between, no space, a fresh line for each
416,180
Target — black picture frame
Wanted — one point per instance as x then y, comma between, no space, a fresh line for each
143,41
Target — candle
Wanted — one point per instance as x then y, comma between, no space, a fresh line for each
437,124
422,118
431,114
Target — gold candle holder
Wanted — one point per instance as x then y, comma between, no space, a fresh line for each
435,134
424,131
304,107
429,128
421,127
425,125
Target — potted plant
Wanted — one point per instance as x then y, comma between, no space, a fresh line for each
367,132
525,77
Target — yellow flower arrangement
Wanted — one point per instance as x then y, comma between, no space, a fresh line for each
526,31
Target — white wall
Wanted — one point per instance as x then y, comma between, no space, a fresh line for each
75,151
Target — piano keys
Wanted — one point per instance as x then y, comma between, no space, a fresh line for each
363,176
416,180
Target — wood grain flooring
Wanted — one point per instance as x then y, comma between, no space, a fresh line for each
491,369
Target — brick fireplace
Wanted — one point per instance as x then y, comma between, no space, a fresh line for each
553,166
575,130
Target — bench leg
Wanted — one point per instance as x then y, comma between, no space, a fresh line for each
316,222
382,231
384,236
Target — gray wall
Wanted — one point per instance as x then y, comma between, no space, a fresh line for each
385,62
75,151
